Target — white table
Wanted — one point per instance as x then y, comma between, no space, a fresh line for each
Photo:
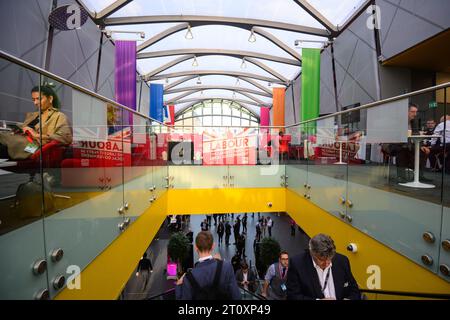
340,152
416,183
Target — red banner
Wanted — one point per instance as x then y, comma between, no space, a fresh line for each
230,148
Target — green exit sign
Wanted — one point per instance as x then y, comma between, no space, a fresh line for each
432,104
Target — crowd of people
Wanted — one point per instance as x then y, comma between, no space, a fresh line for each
319,273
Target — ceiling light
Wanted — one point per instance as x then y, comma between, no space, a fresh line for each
243,64
252,37
195,62
269,84
189,34
201,92
237,82
167,80
234,94
199,81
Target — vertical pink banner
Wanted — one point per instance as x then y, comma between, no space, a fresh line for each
264,117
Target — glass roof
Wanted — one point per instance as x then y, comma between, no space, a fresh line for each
286,11
336,11
269,50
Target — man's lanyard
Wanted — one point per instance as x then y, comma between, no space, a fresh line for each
281,271
326,281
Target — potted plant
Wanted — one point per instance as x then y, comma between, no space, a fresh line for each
178,249
269,249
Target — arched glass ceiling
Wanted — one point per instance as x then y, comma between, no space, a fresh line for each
281,10
218,37
336,11
226,94
224,26
218,63
214,80
216,112
98,5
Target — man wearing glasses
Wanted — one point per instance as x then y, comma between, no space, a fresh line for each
320,273
275,279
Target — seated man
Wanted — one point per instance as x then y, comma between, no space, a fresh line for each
23,143
438,150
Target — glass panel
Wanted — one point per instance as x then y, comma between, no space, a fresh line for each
256,176
336,12
138,175
388,203
226,121
98,6
21,227
217,121
198,177
327,166
207,121
83,173
297,169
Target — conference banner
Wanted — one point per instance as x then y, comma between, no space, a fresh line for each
233,147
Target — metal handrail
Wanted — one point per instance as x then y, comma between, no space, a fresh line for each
253,294
170,291
66,82
376,103
48,74
408,294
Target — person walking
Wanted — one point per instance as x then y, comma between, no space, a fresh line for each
204,225
211,278
269,226
145,268
220,232
276,277
244,223
227,233
292,224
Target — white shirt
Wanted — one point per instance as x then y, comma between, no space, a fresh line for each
439,132
205,258
269,223
329,291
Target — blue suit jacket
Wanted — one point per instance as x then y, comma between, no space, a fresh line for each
204,274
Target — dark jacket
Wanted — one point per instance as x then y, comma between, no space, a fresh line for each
240,276
204,273
303,282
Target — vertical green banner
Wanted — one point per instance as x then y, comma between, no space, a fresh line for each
310,105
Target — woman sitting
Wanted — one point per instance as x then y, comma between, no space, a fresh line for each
23,143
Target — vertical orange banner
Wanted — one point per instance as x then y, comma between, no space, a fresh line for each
278,107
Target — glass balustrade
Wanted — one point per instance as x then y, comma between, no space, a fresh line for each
384,171
88,168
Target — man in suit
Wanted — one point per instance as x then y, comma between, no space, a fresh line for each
246,277
321,273
204,272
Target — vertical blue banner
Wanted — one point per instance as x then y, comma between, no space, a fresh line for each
156,101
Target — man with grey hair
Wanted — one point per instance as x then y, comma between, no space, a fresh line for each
321,273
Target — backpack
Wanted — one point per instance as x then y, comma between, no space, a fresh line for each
209,292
